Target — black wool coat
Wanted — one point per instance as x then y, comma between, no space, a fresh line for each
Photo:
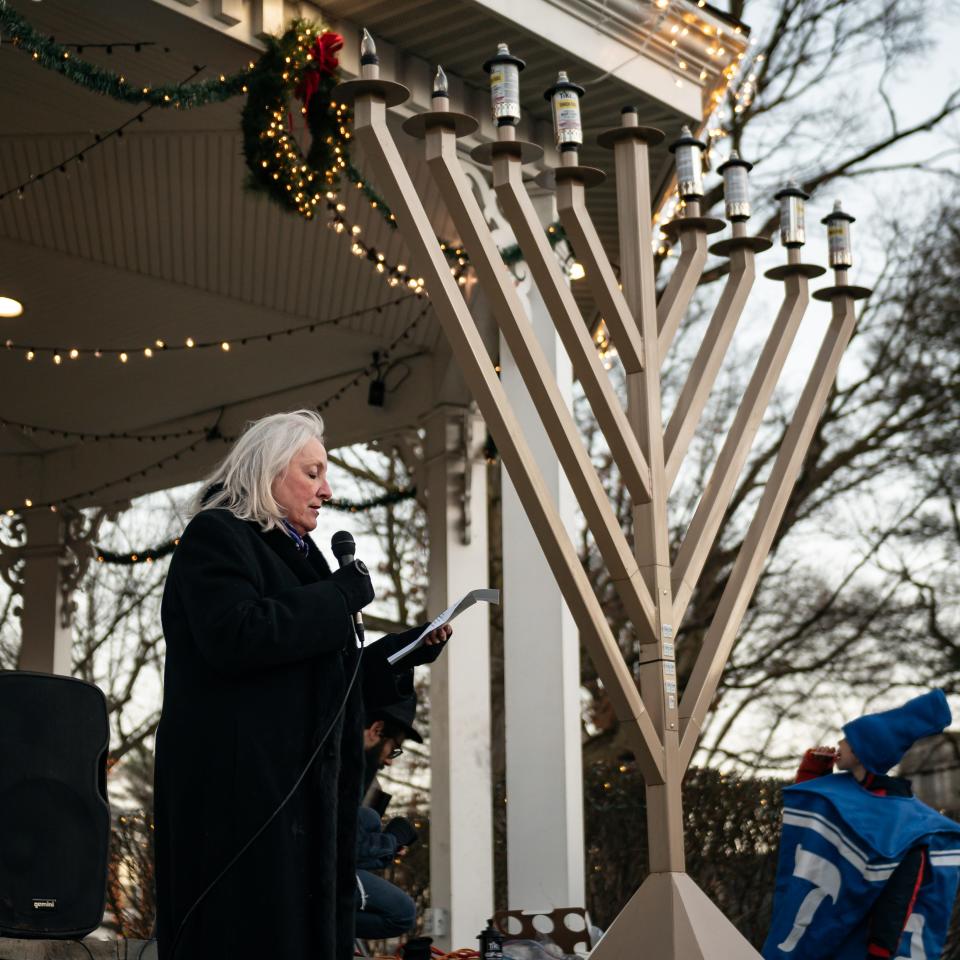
260,655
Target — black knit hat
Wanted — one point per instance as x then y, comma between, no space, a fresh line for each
401,712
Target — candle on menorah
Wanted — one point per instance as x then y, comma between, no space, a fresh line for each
564,97
689,153
839,247
793,231
669,916
736,187
504,69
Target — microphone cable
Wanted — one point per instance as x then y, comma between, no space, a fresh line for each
358,629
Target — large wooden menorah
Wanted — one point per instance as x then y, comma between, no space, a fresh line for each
669,916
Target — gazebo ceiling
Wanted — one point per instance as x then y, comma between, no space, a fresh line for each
154,237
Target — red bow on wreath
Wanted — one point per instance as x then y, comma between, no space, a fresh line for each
325,62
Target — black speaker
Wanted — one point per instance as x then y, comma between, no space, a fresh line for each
54,816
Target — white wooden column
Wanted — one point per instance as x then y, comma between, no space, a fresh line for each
461,821
47,635
541,668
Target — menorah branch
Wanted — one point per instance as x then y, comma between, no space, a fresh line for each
686,275
579,227
713,504
528,354
570,326
748,567
706,364
480,376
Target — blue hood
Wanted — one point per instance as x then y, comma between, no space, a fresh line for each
881,739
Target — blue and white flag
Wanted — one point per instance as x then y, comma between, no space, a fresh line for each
840,844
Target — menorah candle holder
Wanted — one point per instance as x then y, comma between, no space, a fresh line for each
669,914
741,251
692,230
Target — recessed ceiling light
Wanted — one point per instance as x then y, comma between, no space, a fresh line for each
10,307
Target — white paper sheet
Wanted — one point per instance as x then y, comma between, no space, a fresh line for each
468,600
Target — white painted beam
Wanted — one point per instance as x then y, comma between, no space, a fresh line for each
461,819
46,645
543,754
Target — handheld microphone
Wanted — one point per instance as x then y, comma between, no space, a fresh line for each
344,548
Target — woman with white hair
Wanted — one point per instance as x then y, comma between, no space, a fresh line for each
255,842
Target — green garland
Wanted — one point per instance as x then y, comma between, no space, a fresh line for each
151,554
55,56
136,556
385,500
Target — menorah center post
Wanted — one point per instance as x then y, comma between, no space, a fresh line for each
658,680
658,675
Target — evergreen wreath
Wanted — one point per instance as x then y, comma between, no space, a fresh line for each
301,65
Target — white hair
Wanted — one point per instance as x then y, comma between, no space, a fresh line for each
243,482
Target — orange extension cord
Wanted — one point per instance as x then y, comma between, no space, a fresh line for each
464,953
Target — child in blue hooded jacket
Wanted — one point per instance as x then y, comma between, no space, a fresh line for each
866,870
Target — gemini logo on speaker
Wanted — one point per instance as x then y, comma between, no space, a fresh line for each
47,904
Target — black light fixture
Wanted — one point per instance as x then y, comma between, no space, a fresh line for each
378,388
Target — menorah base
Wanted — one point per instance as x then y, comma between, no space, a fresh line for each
671,918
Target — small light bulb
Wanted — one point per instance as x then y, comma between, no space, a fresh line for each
441,86
368,49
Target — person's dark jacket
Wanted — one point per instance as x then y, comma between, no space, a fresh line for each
375,848
260,653
377,845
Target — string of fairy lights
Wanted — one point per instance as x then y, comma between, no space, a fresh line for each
212,433
28,429
79,157
137,46
158,347
394,275
452,251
